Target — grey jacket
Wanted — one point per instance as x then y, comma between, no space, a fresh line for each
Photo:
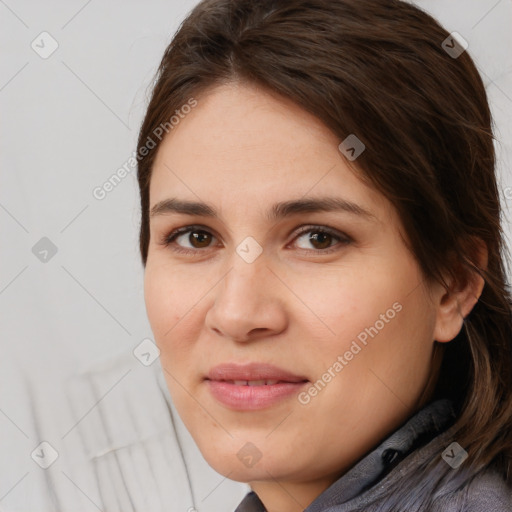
426,433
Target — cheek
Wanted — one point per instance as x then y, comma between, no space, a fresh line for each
384,339
169,296
348,301
173,302
166,309
159,302
381,308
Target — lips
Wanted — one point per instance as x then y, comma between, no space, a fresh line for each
262,382
252,386
253,374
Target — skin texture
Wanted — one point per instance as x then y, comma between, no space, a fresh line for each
242,149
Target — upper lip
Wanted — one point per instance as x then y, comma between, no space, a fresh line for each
252,371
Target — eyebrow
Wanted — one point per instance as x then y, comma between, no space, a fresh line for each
277,211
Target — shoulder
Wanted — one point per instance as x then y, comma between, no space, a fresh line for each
487,491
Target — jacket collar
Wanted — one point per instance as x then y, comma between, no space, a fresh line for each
421,428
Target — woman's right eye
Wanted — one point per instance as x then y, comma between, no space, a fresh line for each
196,235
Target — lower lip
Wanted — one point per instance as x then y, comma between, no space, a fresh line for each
252,397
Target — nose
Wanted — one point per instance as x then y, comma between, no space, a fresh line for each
249,302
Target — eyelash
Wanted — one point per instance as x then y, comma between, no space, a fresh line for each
169,239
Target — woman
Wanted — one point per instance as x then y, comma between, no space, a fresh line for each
324,262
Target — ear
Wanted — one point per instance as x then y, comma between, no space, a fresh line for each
455,304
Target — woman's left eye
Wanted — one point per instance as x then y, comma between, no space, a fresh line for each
199,238
323,237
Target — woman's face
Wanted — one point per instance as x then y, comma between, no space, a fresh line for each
330,298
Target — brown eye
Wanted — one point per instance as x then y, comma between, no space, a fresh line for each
199,238
320,240
194,240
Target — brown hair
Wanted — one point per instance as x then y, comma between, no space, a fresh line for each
377,68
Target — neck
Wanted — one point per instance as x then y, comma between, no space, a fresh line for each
279,496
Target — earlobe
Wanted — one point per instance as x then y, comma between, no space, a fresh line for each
455,304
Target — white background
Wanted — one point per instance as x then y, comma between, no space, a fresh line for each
67,124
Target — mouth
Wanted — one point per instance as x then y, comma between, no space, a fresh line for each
252,386
253,382
253,374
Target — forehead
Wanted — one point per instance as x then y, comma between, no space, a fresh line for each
241,145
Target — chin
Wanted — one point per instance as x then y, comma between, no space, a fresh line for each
242,461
